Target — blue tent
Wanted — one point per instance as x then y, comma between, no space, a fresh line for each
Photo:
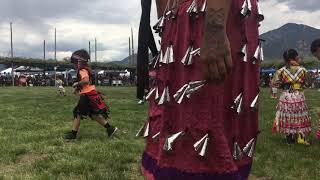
268,71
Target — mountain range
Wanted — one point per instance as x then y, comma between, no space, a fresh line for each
291,35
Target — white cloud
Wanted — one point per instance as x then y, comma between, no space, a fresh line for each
279,13
80,21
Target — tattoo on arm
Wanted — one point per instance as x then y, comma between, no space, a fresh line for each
214,33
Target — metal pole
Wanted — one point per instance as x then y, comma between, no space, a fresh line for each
55,56
130,51
133,59
44,50
55,44
12,70
89,51
95,56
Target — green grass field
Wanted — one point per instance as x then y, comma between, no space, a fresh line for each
33,120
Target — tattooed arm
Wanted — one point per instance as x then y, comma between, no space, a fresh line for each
215,52
161,6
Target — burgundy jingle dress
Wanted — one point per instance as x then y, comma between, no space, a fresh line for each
199,130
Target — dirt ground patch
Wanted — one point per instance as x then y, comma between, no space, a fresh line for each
24,160
29,159
252,177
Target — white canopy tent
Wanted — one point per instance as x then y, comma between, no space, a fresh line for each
6,71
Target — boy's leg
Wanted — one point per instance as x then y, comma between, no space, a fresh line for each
76,124
103,122
75,128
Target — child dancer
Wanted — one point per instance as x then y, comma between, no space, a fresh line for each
59,84
90,103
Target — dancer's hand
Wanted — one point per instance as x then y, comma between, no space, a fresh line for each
215,51
76,91
217,59
76,84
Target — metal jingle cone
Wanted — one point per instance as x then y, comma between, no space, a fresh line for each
170,140
249,148
204,6
166,56
140,132
146,130
204,147
159,25
260,15
236,101
186,56
244,53
156,135
161,56
193,7
189,10
170,57
169,14
261,53
180,94
167,95
249,7
150,93
239,108
192,90
180,91
244,9
256,55
179,101
254,102
196,83
251,152
199,143
155,61
167,146
173,14
157,96
237,152
195,52
194,86
190,60
162,98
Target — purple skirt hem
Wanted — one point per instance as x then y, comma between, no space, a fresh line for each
150,164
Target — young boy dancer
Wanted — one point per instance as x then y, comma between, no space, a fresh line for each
90,103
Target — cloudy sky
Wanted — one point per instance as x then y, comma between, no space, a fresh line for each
80,21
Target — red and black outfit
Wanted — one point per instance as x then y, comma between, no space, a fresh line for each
91,101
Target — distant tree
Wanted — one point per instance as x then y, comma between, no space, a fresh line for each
66,59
